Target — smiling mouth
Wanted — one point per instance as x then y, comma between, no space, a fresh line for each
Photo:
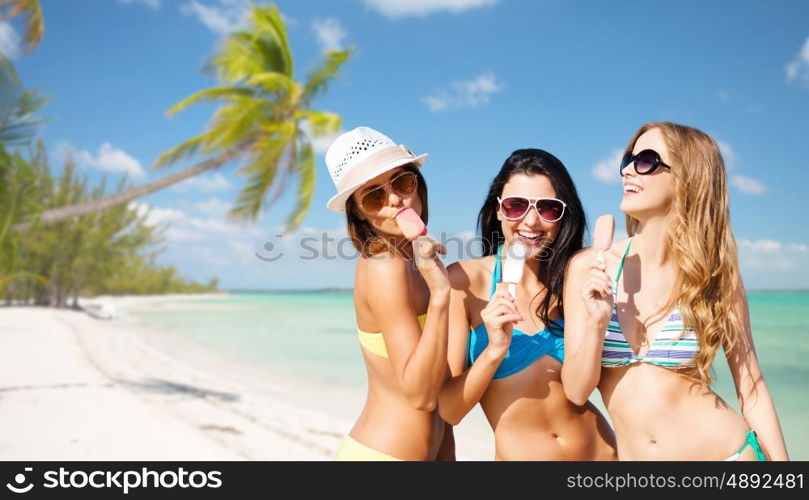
630,189
532,236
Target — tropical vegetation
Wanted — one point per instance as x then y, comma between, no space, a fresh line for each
265,124
109,252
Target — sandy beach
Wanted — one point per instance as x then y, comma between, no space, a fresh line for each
73,387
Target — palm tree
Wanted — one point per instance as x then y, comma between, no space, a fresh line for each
21,191
17,107
265,120
34,23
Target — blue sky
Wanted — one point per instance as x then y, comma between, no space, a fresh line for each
467,81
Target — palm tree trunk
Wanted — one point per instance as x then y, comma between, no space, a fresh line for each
79,209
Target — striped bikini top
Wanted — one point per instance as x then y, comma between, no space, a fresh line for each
375,342
674,347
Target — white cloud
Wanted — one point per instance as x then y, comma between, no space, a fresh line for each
798,69
108,159
181,235
404,8
329,32
722,96
728,154
227,16
322,143
798,247
465,94
152,4
172,219
157,215
747,185
242,248
205,184
771,254
761,246
607,169
202,243
214,206
9,40
466,236
207,222
743,183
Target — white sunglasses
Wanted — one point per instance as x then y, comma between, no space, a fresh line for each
516,207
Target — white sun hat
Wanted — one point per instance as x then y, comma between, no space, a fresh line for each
358,156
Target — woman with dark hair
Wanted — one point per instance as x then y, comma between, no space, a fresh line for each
401,300
506,352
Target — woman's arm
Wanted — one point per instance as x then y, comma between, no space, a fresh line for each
588,305
418,356
754,397
466,386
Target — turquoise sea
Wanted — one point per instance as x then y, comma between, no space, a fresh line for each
310,337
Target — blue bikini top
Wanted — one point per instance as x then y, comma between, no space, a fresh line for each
524,348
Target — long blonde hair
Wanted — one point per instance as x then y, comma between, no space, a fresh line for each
701,241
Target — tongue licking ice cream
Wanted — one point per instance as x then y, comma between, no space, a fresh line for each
410,223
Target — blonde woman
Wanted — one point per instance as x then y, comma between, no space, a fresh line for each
645,322
400,301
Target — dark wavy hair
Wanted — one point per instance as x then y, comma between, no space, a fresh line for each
568,239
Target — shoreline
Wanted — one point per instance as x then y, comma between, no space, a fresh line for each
120,391
117,398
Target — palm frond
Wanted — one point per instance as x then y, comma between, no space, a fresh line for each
306,174
17,107
320,123
8,75
184,150
231,92
273,82
263,175
325,72
18,133
235,59
273,38
275,128
232,124
263,47
34,21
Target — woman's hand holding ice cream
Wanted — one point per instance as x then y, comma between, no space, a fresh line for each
597,291
425,250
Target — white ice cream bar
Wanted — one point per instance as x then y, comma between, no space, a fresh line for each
513,266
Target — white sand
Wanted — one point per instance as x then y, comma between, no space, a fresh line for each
73,387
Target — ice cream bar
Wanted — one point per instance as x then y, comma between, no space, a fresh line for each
513,266
410,223
602,235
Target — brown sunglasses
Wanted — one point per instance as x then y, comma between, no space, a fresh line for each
403,185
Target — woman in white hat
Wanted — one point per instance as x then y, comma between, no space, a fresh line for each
401,307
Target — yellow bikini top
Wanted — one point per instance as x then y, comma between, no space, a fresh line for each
375,342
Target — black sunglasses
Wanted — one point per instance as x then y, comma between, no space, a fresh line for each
645,162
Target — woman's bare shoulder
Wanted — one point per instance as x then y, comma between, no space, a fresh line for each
471,274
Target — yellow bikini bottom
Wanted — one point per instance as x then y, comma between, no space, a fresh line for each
353,451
